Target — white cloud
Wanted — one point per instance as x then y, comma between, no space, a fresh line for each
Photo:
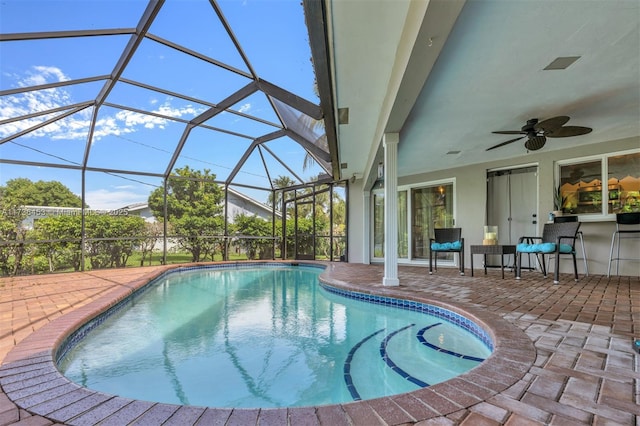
246,107
41,75
76,126
167,110
134,119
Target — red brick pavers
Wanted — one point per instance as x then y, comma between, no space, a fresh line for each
31,302
563,353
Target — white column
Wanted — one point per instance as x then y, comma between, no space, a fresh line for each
390,143
366,227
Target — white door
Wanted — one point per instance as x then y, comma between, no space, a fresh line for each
512,199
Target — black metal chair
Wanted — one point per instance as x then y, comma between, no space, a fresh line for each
446,240
557,239
574,218
627,226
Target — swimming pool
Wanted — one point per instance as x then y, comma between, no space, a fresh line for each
267,336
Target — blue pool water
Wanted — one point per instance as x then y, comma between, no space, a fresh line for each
267,337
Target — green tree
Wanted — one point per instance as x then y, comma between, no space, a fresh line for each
194,210
246,228
304,237
104,234
60,254
24,192
339,225
304,202
152,232
275,197
17,193
12,236
108,242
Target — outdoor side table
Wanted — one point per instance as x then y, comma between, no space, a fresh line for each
495,249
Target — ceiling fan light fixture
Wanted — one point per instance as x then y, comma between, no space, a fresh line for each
534,143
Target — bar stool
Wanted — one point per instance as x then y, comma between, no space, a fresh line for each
626,227
573,218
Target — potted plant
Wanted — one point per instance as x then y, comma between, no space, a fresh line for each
558,202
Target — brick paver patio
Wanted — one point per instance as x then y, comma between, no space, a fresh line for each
563,353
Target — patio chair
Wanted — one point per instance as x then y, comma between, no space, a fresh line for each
446,240
574,218
557,239
627,226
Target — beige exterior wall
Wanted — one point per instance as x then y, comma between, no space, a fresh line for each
357,225
471,192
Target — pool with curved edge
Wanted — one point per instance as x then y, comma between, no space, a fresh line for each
31,380
267,336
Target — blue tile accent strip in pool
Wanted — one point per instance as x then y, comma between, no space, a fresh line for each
393,365
441,313
421,339
347,366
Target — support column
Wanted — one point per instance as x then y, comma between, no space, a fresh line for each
390,143
366,227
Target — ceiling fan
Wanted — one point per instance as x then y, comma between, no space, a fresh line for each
537,132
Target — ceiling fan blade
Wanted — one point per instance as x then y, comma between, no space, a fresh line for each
504,143
510,132
551,124
567,131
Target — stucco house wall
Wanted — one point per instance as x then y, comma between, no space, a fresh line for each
471,194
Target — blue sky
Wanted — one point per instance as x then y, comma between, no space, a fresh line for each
272,35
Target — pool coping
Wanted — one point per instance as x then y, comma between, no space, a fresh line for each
31,380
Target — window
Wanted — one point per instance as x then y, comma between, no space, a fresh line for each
583,190
623,180
581,187
420,210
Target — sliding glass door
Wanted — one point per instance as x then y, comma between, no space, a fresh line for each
432,207
378,225
421,208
